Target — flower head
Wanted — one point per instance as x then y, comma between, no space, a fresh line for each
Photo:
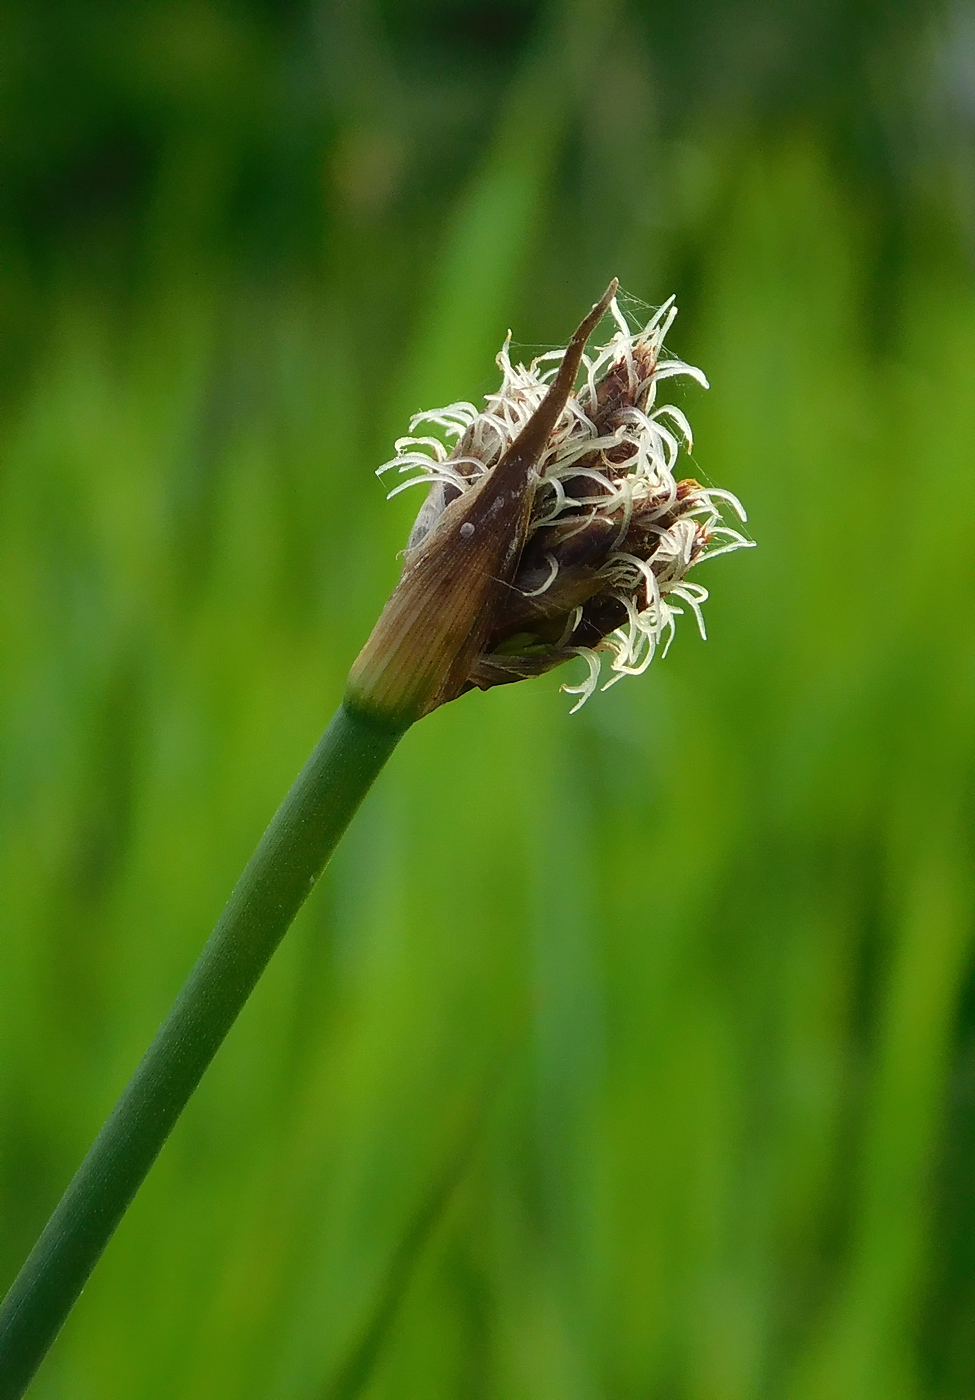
608,531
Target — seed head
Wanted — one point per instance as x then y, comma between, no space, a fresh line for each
555,526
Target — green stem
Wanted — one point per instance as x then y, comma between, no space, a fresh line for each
278,878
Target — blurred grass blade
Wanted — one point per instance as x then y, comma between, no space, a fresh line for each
486,247
867,1348
357,1371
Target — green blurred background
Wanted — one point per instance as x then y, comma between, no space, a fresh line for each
622,1057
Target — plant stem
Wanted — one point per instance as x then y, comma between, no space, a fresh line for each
278,878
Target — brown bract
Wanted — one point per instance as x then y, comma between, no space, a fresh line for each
442,612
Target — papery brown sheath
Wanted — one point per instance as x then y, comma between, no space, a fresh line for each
442,611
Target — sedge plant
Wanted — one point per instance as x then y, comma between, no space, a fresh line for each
555,527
